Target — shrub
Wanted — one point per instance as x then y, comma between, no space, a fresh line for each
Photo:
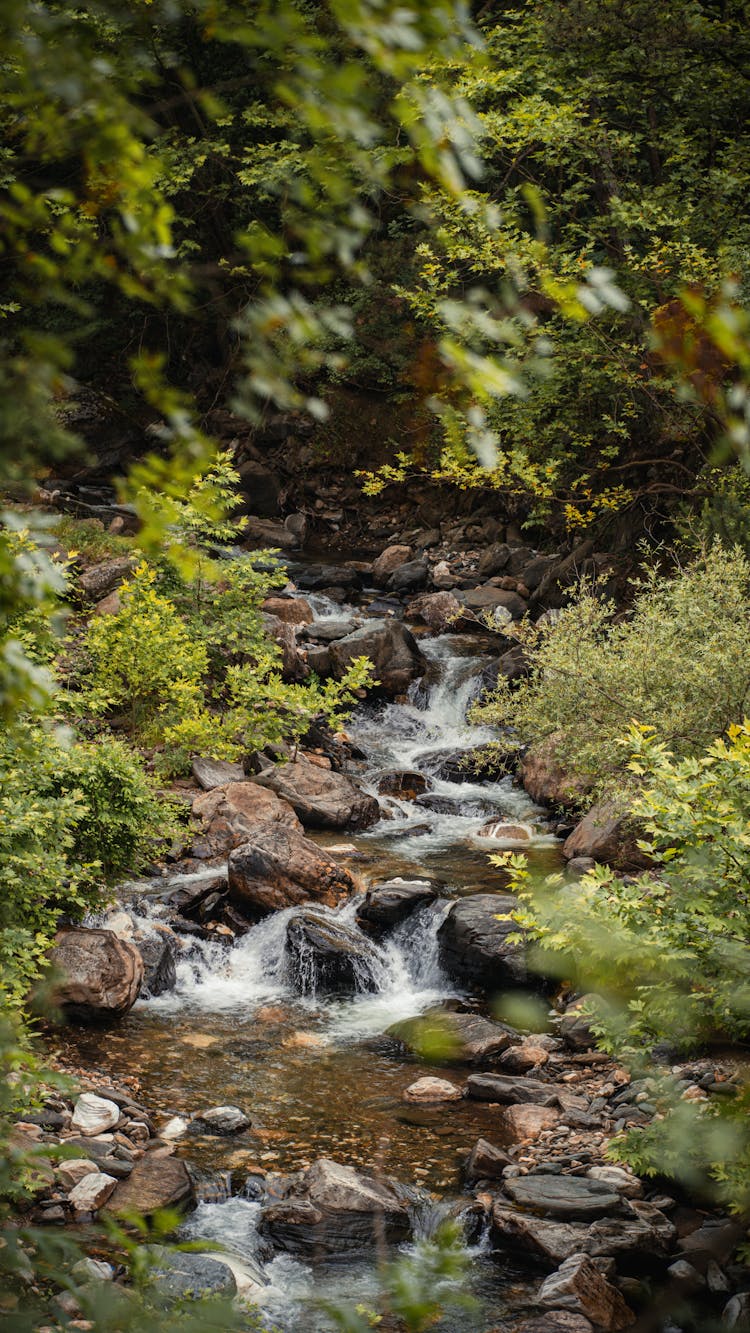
679,661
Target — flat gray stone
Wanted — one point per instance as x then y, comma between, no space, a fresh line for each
569,1198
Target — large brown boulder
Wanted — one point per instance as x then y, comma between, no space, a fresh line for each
334,1210
546,780
320,797
100,974
155,1182
100,580
281,868
606,834
439,610
391,648
231,814
388,562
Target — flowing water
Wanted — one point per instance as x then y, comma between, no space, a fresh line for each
317,1074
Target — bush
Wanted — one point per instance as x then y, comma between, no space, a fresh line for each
679,661
668,954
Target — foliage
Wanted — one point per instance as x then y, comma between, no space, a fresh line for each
665,957
679,660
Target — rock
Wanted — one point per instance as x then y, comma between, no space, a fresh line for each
474,944
527,1122
574,1025
533,573
465,1038
624,1182
432,1090
736,1313
520,1059
294,667
91,1192
262,487
606,835
158,953
100,580
71,1170
210,773
388,562
488,598
92,1270
553,589
579,866
222,1120
569,1198
578,1286
402,783
410,576
328,955
320,797
557,1321
549,1242
233,813
334,1210
180,1275
327,631
443,576
175,1127
507,1090
438,610
261,532
387,904
393,651
501,831
325,577
155,1182
94,1115
100,975
281,868
545,779
486,1162
494,560
462,765
292,610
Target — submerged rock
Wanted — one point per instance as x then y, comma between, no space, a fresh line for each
328,955
222,1120
281,868
333,1211
430,1089
320,797
100,975
475,947
462,1038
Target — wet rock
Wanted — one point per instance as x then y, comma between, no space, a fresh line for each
486,1161
320,797
327,632
155,1182
608,836
320,578
526,1122
222,1120
578,1286
386,905
100,975
210,773
464,1038
388,562
231,814
392,649
569,1198
328,955
438,610
403,783
180,1275
409,577
432,1090
474,944
91,1193
158,953
292,610
507,1090
502,831
100,580
94,1115
548,1242
281,868
333,1210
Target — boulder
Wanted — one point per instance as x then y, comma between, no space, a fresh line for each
222,1120
527,1055
465,1038
262,532
100,975
386,905
316,577
155,1182
181,1275
557,1321
500,830
158,952
508,1090
432,1090
292,610
494,560
388,562
393,651
554,588
605,834
325,631
233,813
403,783
410,576
474,765
294,666
546,1241
486,1162
100,580
568,1198
524,1123
320,797
578,1286
489,598
438,610
210,773
575,1029
545,779
329,955
92,1192
281,868
474,944
333,1211
94,1115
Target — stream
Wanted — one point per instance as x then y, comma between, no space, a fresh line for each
317,1074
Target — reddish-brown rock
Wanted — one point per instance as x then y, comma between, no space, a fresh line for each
100,974
233,813
281,868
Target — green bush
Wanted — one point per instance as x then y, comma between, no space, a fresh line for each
679,661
